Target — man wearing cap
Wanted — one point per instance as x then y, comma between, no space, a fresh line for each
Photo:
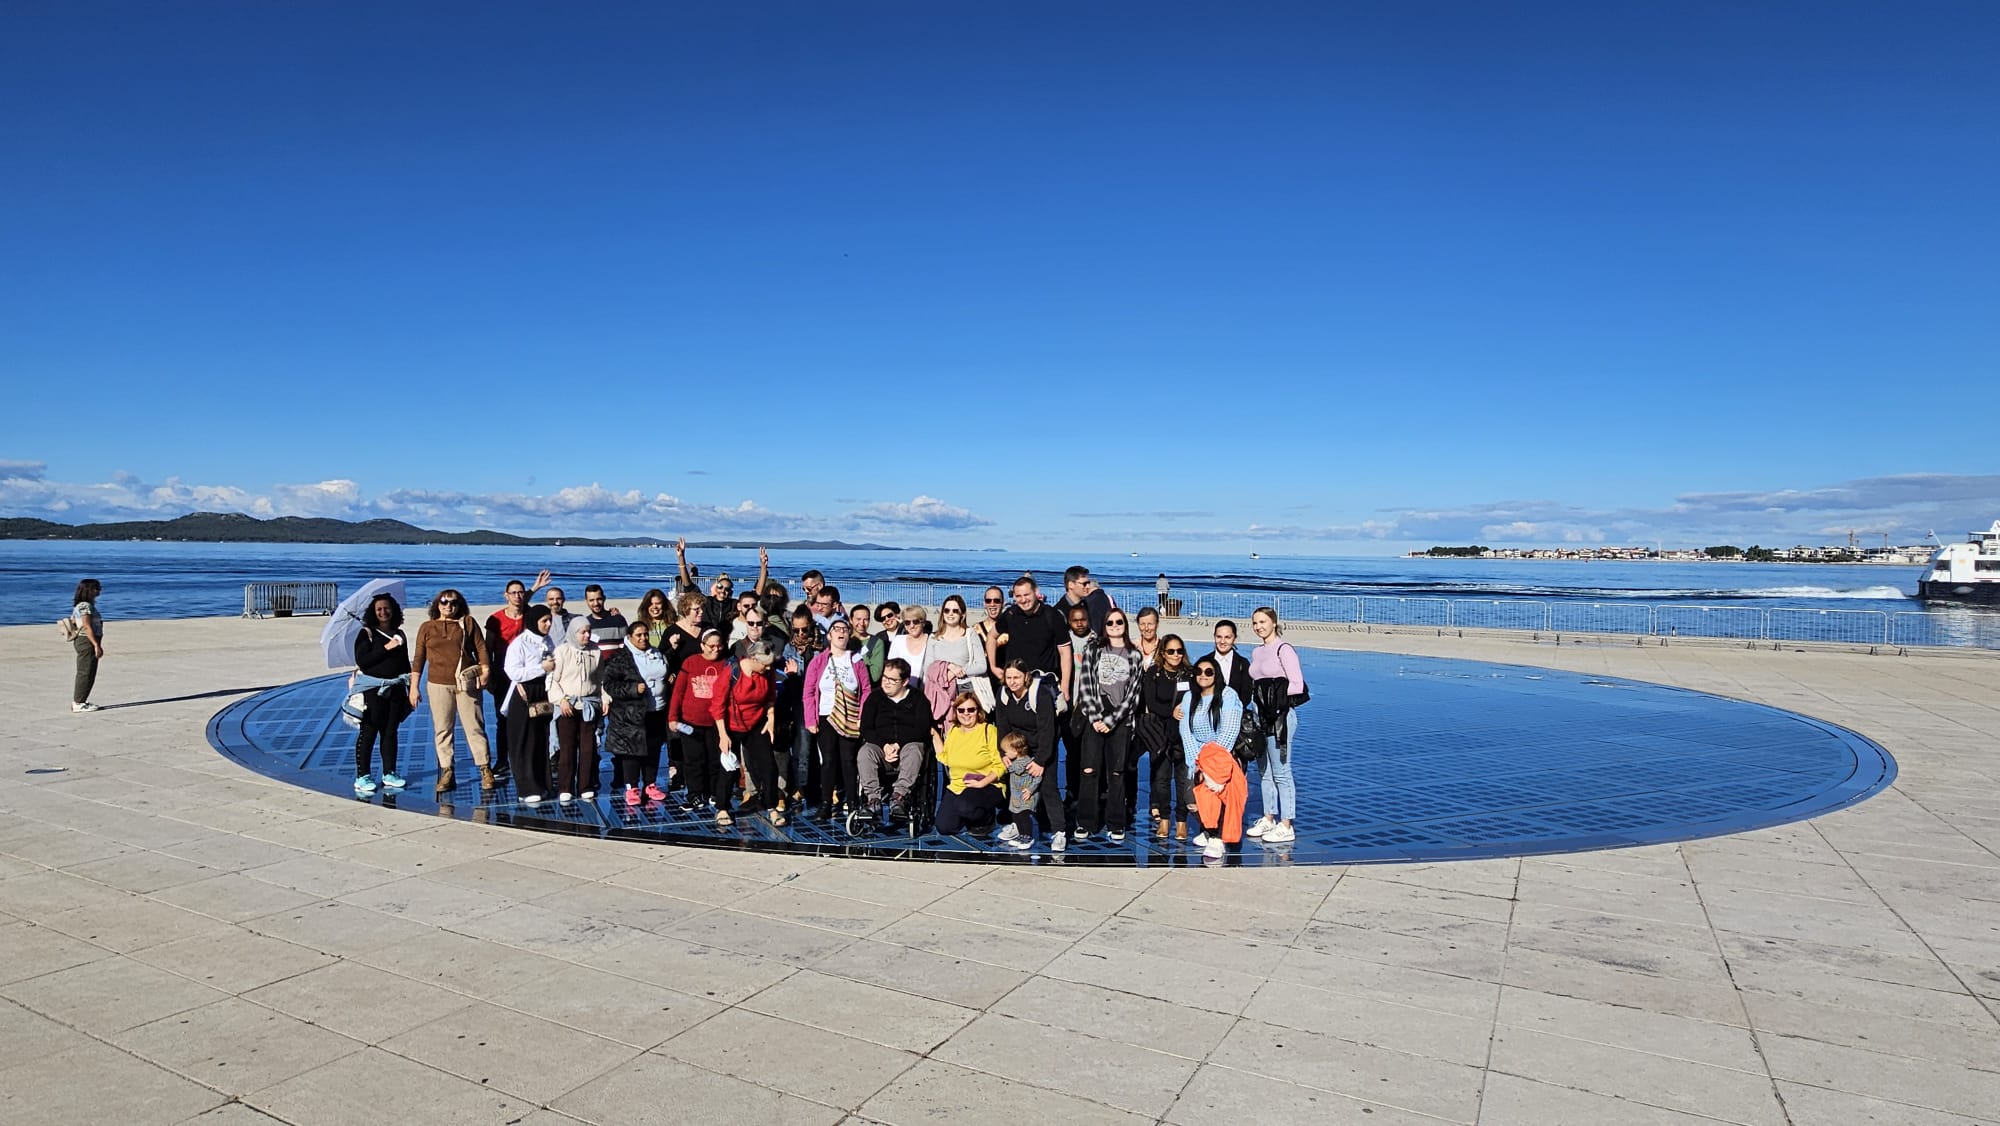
719,606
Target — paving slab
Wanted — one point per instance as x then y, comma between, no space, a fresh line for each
168,917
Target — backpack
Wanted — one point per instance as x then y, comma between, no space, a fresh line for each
69,629
1035,682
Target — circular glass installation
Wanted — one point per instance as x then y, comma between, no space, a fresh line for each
1397,759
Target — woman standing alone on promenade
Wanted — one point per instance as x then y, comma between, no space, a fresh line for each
450,656
89,643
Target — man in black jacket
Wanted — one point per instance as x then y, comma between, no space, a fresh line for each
1031,630
895,729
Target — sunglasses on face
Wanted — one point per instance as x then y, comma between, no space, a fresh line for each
967,710
996,602
450,602
1207,674
1176,652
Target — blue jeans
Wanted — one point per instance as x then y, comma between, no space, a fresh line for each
1281,798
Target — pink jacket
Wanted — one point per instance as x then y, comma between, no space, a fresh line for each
809,706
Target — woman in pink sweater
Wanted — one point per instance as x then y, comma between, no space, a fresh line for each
1275,659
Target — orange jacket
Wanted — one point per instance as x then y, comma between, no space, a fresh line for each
1225,809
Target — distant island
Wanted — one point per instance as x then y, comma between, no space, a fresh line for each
235,527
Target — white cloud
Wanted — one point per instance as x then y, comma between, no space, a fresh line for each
25,490
921,512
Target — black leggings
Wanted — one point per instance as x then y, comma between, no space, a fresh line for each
837,772
760,758
378,721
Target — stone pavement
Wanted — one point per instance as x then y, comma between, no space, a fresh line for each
183,941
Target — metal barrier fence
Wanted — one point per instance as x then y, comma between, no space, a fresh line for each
1949,628
283,600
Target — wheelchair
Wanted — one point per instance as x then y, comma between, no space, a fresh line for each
923,804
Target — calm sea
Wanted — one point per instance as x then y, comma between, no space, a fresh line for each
178,580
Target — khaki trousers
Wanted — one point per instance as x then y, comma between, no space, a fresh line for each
446,700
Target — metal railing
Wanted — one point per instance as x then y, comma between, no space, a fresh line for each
1946,628
284,600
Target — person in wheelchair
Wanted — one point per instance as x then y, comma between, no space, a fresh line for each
895,732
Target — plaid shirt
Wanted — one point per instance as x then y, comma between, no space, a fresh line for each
1090,698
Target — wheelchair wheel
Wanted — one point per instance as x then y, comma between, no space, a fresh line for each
856,822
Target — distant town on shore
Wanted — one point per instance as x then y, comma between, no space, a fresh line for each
1721,553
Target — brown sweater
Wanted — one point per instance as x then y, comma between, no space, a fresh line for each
437,648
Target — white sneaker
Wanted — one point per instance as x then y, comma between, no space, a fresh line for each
588,795
1020,843
1201,839
532,799
1008,834
1080,835
1214,849
86,706
1059,842
1115,835
565,797
1278,834
1261,827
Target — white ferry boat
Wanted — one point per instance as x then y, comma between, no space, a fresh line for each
1965,572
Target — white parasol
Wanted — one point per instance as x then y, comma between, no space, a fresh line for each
337,639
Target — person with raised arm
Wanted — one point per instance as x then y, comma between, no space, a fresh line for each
721,609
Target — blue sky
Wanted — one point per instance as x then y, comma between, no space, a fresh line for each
1315,277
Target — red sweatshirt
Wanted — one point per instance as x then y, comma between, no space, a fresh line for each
698,692
750,701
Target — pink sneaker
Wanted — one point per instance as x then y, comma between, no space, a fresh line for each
654,792
631,795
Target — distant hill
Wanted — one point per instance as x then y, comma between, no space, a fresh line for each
235,527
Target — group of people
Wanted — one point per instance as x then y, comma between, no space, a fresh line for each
1040,715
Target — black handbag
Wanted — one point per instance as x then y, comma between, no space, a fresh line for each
1250,739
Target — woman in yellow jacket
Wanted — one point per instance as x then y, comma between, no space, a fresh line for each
974,791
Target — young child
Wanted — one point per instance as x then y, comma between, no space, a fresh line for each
1024,785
